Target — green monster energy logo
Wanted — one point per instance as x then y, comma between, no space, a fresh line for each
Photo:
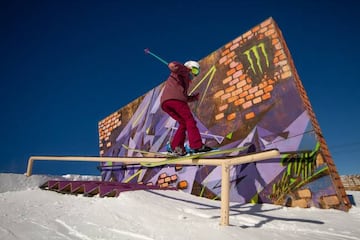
301,169
255,51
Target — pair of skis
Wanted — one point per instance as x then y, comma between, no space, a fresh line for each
169,159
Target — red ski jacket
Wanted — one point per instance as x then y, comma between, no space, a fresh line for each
177,84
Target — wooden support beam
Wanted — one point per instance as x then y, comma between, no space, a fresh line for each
225,194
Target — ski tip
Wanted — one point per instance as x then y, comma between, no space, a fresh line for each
146,50
124,146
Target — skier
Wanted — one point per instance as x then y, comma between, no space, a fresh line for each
174,101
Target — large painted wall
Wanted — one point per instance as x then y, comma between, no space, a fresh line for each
250,94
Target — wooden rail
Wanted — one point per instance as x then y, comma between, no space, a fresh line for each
225,164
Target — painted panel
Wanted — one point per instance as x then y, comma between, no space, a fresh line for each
250,94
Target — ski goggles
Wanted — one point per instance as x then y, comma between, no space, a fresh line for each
195,71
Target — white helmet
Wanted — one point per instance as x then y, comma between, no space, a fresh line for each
194,66
190,64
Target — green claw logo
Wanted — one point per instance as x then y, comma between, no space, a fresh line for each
257,60
255,50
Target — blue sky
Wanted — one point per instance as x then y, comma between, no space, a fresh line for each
65,65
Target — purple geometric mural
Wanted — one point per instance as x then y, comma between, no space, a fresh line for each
250,93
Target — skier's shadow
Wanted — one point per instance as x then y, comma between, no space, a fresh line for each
242,209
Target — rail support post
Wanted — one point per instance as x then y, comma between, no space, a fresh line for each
225,194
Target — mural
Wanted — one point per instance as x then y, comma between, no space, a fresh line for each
250,94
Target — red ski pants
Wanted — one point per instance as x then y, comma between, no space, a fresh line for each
181,112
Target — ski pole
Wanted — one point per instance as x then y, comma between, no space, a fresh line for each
147,51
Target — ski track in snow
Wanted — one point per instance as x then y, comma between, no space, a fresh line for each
196,213
121,232
135,235
73,231
311,232
7,232
51,230
246,221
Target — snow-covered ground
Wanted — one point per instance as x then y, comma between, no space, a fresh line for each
27,212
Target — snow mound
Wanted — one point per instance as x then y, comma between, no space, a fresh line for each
18,182
28,212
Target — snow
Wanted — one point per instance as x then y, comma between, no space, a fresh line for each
27,212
